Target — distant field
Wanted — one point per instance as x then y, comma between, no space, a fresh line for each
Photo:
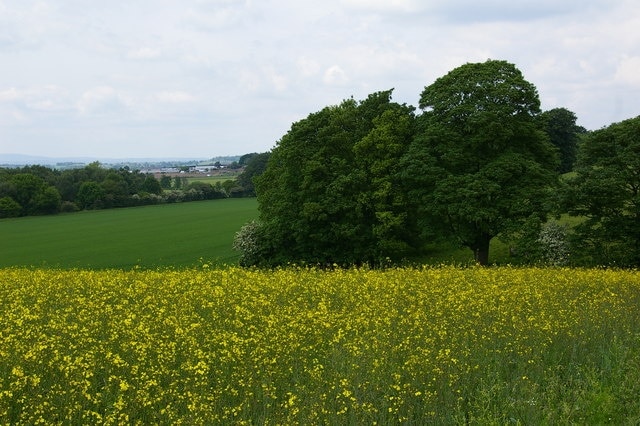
213,179
164,235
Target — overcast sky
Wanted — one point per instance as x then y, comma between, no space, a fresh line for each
203,78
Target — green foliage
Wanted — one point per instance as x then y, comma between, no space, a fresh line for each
68,207
392,218
326,195
9,207
245,159
178,182
47,201
606,191
202,191
165,182
115,190
32,193
564,133
90,195
151,185
255,165
480,163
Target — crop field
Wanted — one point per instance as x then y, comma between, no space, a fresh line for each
435,345
162,235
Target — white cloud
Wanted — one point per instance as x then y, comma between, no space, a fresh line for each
43,98
307,67
628,71
103,100
145,53
466,11
241,71
215,15
386,5
335,76
9,95
277,80
175,97
249,81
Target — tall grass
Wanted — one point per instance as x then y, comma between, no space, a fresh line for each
304,346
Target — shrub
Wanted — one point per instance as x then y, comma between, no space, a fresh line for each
554,244
9,207
249,241
68,207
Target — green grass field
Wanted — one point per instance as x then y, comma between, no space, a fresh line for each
212,180
164,235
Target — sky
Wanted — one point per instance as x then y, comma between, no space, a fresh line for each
207,78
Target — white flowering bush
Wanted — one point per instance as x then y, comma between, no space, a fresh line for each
554,244
247,242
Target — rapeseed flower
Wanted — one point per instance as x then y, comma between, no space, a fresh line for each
299,346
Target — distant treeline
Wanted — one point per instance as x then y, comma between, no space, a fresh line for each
40,190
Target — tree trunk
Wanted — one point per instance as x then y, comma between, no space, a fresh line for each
480,249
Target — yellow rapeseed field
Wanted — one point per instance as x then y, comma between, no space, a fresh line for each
438,345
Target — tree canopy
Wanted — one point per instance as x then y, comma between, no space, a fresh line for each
480,163
255,165
606,192
327,195
564,133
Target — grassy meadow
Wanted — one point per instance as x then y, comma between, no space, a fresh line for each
161,235
436,345
167,235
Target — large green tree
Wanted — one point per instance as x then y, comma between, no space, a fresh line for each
315,195
606,192
481,163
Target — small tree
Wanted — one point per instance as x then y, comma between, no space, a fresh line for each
90,195
151,185
177,182
165,182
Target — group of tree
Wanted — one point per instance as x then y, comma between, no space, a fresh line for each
39,190
372,181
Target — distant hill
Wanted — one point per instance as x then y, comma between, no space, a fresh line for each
21,159
13,160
